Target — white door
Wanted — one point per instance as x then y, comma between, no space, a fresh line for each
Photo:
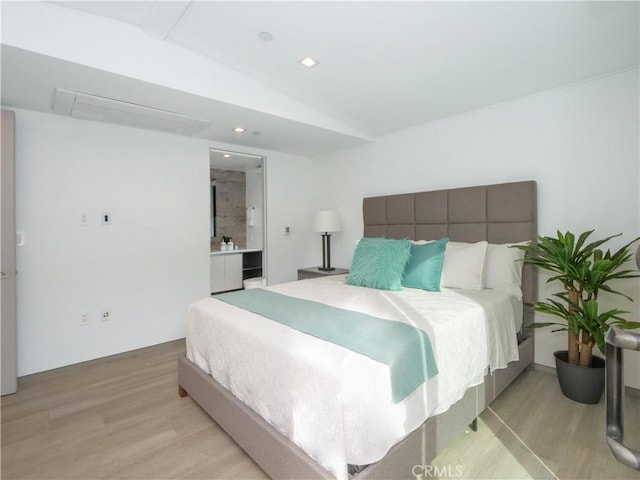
8,331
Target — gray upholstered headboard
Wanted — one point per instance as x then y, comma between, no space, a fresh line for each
502,213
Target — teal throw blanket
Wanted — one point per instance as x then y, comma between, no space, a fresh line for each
404,348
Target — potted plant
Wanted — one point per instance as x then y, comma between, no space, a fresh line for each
584,271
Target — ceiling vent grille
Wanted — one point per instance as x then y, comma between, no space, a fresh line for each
102,109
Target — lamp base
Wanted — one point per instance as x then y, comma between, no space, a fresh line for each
326,253
328,269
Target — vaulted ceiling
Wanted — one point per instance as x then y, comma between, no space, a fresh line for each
382,66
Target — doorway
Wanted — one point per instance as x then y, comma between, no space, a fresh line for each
238,202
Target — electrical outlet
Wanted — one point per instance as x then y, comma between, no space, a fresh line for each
106,315
84,219
287,230
84,317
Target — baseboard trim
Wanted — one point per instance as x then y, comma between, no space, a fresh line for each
632,391
544,368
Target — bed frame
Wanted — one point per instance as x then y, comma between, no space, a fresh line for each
502,213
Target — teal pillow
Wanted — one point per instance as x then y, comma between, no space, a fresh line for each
379,263
424,268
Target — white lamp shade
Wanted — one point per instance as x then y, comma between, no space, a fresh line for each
327,221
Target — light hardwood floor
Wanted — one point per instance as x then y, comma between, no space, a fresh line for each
121,418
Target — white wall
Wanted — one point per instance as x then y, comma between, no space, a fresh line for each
580,143
150,263
289,203
255,200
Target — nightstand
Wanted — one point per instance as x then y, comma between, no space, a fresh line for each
315,272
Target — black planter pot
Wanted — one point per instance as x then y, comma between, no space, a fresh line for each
582,384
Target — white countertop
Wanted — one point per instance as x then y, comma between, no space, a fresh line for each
231,252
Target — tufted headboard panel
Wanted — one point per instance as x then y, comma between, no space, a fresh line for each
501,213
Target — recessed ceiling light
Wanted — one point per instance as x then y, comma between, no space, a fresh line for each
239,130
226,155
308,62
265,36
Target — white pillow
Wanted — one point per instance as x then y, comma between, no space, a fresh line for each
503,268
464,265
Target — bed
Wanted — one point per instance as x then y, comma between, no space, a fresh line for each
498,214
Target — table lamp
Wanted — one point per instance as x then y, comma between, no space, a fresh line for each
326,221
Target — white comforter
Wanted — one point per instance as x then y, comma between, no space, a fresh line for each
333,403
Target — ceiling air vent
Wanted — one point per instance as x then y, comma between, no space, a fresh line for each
102,109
